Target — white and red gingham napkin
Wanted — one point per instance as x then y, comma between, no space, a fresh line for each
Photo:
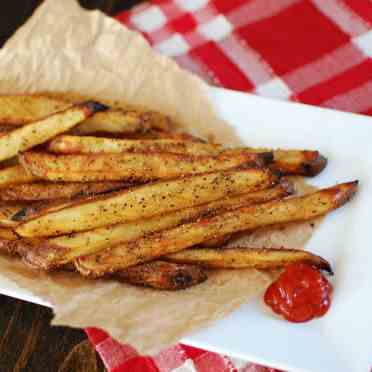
312,51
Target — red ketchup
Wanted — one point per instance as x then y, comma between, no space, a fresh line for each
300,294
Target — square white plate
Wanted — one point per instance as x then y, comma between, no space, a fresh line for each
341,341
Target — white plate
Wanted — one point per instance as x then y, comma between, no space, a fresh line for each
341,341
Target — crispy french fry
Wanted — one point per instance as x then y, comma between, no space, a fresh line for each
59,190
18,110
12,162
58,251
7,211
7,234
163,275
216,242
238,258
131,166
38,132
163,134
246,218
98,145
41,208
296,162
148,200
124,121
14,175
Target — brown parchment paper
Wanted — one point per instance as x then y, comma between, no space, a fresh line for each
64,48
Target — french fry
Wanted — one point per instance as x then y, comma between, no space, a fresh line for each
7,234
148,200
162,134
18,110
98,145
239,258
216,242
14,175
124,121
163,275
38,132
41,208
296,162
59,190
58,251
151,247
6,213
138,167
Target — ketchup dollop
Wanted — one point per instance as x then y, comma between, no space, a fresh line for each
300,294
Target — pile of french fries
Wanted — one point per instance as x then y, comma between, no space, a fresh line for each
121,193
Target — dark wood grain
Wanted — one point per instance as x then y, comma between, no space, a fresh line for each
27,341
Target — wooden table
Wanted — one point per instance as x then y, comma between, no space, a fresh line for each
27,341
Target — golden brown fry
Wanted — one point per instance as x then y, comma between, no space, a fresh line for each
14,175
98,145
162,134
163,275
19,110
304,163
12,162
238,258
7,211
131,166
124,121
58,251
246,218
148,200
59,190
40,208
38,132
296,162
7,234
216,242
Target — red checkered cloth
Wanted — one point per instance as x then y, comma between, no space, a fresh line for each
316,52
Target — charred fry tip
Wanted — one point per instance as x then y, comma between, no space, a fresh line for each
314,166
184,279
344,192
20,215
267,157
94,106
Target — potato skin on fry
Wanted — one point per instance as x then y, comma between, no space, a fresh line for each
124,121
7,234
18,110
131,166
163,275
58,251
294,209
238,258
38,132
38,209
163,134
52,191
98,145
14,175
7,211
147,200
